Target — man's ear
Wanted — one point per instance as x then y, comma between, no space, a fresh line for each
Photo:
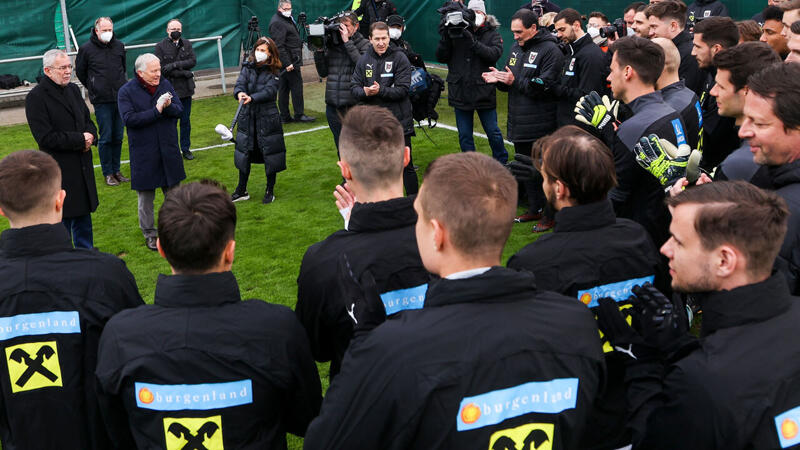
2,213
727,260
160,249
440,235
562,191
406,156
345,170
228,253
62,194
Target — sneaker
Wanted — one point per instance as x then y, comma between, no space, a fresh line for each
543,225
187,155
269,197
150,243
111,180
240,196
528,217
121,178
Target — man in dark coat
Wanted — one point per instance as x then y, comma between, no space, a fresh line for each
283,30
668,20
378,237
383,77
55,301
467,57
337,63
100,65
150,109
59,121
177,59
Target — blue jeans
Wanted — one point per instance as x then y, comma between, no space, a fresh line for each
109,147
186,124
80,231
488,118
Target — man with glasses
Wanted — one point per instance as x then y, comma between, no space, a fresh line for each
60,123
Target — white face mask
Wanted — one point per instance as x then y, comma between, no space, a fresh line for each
287,13
479,19
261,56
106,37
395,33
630,31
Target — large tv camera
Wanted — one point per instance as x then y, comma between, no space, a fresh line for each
456,18
324,32
618,27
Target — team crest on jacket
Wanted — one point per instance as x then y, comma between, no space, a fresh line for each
532,57
387,66
534,436
33,366
193,433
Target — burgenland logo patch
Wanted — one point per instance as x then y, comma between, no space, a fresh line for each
175,397
787,425
490,408
619,291
33,366
532,436
193,433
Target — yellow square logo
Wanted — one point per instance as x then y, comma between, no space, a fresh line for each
33,366
369,73
512,62
533,436
199,433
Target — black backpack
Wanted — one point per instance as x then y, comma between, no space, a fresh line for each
426,89
8,81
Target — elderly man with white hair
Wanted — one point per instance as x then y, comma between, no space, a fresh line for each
150,109
61,125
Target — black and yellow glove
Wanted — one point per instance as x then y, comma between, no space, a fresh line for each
666,162
597,111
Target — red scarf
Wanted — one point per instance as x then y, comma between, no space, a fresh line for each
147,87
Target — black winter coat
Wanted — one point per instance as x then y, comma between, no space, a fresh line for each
413,57
202,369
337,64
531,105
739,389
177,61
54,303
101,68
392,71
379,238
58,117
471,370
466,60
373,11
259,138
703,9
689,71
156,159
585,70
283,30
685,102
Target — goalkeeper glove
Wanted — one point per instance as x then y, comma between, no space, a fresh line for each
522,168
665,162
595,111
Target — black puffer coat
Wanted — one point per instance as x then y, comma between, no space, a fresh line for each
177,61
466,60
392,71
101,68
260,135
337,63
531,107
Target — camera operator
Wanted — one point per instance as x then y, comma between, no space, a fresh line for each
371,11
397,24
337,63
533,67
598,20
467,57
541,7
585,67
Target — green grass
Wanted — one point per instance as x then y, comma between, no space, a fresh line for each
271,239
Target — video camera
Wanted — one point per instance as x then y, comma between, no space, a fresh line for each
618,27
324,32
456,18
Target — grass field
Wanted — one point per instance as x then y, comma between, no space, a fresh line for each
271,239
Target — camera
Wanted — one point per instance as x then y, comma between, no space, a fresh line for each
456,18
618,28
324,32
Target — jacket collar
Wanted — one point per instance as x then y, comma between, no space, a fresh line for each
785,174
389,50
34,240
747,304
187,291
590,216
386,215
541,35
584,41
96,39
677,86
643,101
59,93
682,37
497,285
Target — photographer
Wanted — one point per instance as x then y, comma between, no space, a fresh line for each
337,63
467,57
371,11
541,7
585,68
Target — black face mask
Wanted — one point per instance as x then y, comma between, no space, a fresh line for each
175,35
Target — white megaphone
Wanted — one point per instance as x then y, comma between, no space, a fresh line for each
226,133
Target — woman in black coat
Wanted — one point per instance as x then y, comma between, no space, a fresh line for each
260,136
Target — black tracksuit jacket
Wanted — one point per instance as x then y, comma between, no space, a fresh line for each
585,70
54,303
689,71
685,102
380,238
200,368
720,134
531,106
592,254
392,71
703,9
739,389
491,361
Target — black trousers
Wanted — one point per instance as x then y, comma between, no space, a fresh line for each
410,181
291,81
533,189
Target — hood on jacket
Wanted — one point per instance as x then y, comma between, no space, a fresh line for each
492,22
96,39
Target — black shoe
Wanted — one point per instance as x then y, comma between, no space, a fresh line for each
286,120
304,118
111,180
151,243
187,155
269,197
240,196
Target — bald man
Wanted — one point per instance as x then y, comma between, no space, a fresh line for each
676,94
